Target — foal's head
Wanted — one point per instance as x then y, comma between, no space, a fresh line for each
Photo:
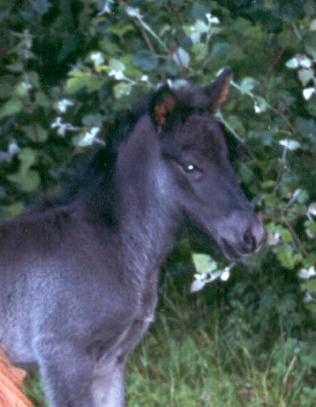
200,176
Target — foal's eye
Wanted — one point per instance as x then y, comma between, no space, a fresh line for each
190,168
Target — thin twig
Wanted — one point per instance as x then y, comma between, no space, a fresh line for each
289,370
147,39
295,237
151,32
220,117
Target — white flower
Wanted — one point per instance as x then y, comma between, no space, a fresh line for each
214,275
308,93
63,104
117,69
307,273
26,86
299,61
56,123
225,274
62,127
106,7
290,144
273,239
308,298
312,27
118,75
197,29
13,149
89,137
97,58
133,12
211,19
257,107
312,209
304,61
201,279
197,285
292,63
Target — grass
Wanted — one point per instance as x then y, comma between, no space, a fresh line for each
184,361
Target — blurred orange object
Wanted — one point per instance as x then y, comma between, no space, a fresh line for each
11,382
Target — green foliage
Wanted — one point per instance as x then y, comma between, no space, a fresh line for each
67,67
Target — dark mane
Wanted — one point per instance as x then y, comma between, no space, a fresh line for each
98,166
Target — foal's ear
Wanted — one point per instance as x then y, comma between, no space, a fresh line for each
218,90
162,104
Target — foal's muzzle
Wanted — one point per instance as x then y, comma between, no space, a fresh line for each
241,236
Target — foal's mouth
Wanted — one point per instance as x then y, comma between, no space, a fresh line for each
230,252
234,253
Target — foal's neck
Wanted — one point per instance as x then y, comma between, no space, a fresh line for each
146,214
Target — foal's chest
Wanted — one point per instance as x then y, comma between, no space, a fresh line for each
143,317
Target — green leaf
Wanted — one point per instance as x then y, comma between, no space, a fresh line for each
26,179
41,6
11,107
17,67
310,286
302,196
260,105
109,47
287,256
122,89
181,57
116,65
71,44
310,229
203,263
120,30
36,133
311,106
199,11
26,182
246,173
200,51
307,127
42,100
83,80
6,86
27,158
220,49
247,85
21,89
305,75
11,211
145,60
34,79
268,185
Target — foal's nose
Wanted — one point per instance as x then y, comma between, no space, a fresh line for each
253,237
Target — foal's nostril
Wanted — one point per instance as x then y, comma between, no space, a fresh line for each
253,237
259,234
249,241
